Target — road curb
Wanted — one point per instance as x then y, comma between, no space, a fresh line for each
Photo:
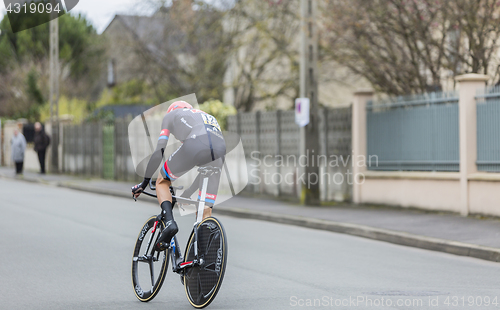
96,190
23,178
379,234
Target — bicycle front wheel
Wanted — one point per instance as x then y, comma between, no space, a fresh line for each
149,267
202,282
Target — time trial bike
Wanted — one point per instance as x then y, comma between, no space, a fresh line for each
204,262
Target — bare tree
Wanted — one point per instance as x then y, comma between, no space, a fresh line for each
184,49
478,24
265,62
410,46
201,42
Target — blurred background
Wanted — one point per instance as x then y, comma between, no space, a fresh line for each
358,120
388,80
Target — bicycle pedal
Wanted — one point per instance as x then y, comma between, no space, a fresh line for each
179,261
187,264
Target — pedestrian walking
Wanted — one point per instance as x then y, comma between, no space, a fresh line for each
18,146
42,141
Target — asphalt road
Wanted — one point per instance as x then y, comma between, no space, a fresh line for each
65,249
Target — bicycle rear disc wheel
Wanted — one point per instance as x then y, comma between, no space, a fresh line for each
203,282
148,270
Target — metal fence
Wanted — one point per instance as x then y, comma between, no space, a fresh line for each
124,166
102,150
276,132
488,129
108,156
269,133
82,149
419,133
98,150
271,141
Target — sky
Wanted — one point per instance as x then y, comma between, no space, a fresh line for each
99,12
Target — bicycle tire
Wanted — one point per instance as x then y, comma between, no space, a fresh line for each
140,293
202,283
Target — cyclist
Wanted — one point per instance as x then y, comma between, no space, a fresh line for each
202,143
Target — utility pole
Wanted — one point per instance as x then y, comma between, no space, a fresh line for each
310,193
54,89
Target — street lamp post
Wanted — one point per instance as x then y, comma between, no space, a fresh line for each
310,193
54,90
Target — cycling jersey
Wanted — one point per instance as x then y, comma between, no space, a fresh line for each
203,144
189,124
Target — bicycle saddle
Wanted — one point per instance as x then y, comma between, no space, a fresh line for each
208,170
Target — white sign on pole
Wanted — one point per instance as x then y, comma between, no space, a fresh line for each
302,111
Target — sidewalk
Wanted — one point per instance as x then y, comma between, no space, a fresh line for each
466,236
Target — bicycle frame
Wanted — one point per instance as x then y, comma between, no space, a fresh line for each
176,254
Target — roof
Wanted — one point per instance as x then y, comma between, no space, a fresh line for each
159,34
144,26
151,31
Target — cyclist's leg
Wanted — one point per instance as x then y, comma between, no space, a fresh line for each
217,148
180,162
174,167
212,188
197,152
165,200
188,192
163,189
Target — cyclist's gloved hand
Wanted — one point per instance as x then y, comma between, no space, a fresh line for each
139,188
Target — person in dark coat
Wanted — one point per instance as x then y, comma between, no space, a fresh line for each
42,141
